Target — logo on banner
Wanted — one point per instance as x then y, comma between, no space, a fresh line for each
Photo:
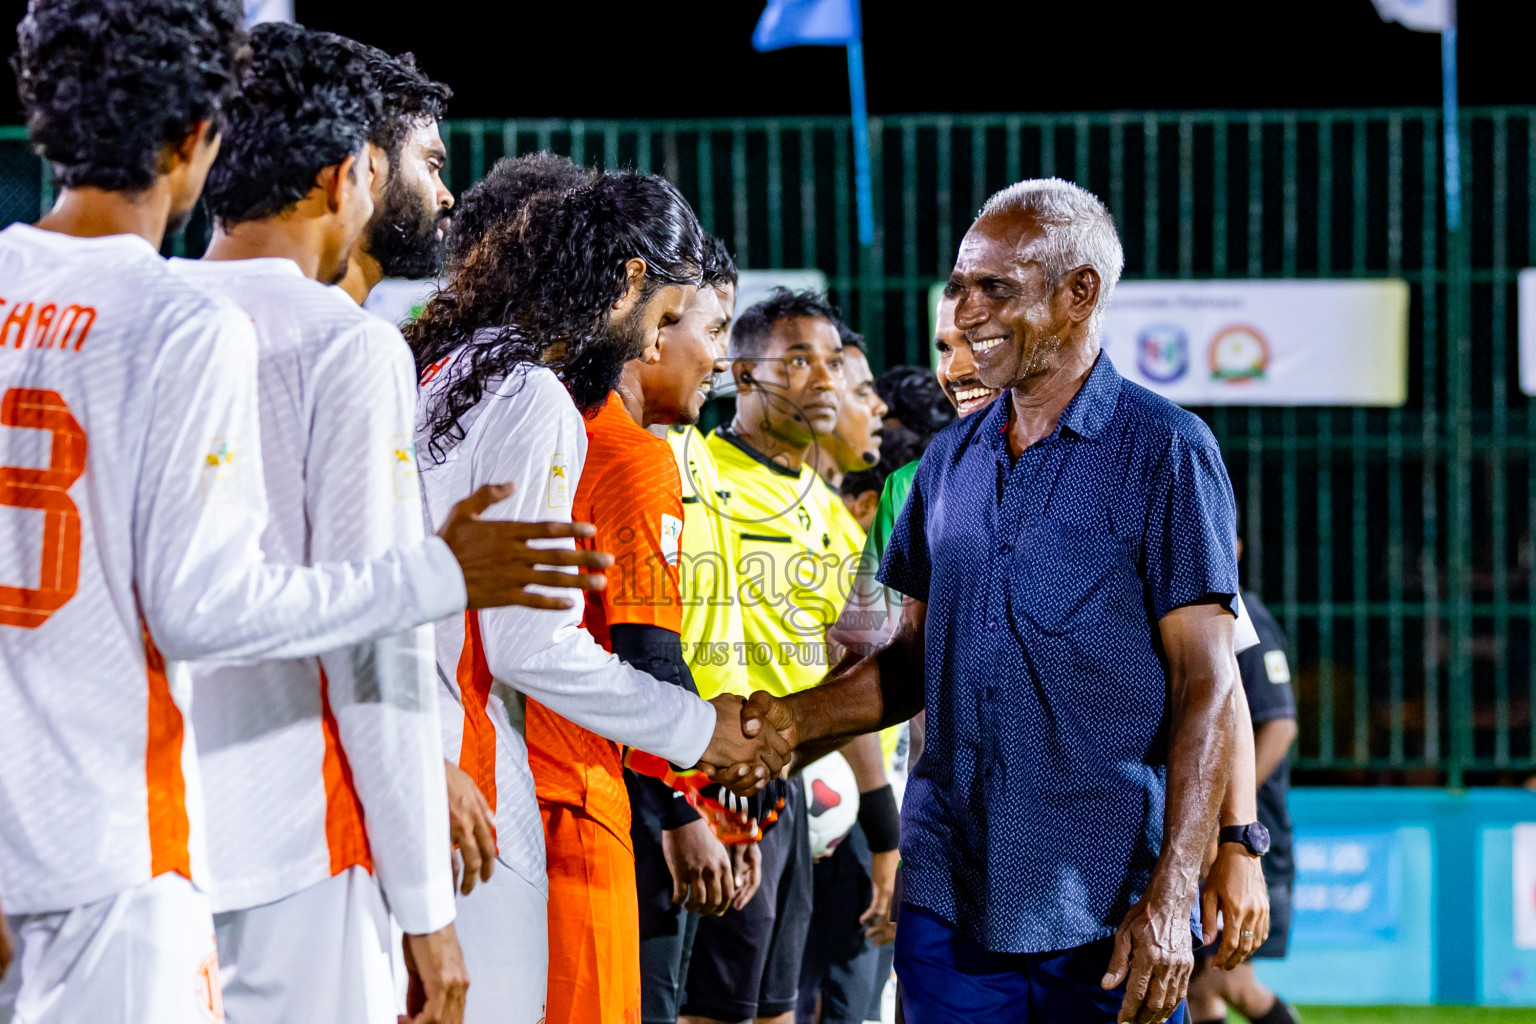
1162,352
1239,355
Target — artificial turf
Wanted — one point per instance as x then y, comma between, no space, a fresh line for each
1415,1015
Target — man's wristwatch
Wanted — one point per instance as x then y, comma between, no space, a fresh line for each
1254,837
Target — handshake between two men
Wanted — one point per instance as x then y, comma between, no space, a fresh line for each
755,740
501,559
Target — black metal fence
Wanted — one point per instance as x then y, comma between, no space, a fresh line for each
1395,545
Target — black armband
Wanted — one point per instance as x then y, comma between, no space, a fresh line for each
880,819
654,650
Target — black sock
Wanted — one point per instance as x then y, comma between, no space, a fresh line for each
1278,1014
1214,1020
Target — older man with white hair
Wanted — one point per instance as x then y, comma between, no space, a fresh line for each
1069,556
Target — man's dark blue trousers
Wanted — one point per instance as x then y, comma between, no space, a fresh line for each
947,978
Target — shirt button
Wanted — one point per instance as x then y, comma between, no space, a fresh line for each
1004,549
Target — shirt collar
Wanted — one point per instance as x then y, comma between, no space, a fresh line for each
1090,409
1085,416
59,240
731,437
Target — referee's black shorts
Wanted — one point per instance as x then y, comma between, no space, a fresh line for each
746,963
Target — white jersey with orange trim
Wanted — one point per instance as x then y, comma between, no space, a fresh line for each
131,511
314,765
525,430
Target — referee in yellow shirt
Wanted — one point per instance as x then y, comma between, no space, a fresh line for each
795,549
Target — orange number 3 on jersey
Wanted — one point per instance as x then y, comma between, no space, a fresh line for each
48,490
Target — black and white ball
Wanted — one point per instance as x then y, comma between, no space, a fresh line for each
832,802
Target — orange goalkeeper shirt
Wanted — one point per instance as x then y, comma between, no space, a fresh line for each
631,492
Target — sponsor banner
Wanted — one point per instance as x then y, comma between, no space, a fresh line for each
1348,887
753,286
1263,342
400,300
1528,331
1524,859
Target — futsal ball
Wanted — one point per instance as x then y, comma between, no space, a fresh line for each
832,796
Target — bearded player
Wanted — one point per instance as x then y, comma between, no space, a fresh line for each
609,830
535,324
411,204
324,776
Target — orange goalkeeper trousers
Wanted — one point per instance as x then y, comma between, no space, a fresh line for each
594,922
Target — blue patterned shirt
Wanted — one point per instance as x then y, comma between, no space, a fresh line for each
1034,818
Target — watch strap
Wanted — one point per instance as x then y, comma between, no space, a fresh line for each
1253,837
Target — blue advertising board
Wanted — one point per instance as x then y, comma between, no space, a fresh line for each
1361,917
1348,887
1411,896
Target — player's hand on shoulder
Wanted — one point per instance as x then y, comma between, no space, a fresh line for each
500,563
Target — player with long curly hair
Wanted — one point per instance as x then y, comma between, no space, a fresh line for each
499,195
541,289
535,323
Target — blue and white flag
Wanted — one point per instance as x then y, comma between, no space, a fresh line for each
258,11
1419,15
807,23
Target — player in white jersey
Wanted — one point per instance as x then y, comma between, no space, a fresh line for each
405,239
320,772
131,489
534,323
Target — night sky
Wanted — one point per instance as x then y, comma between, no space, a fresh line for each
609,59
